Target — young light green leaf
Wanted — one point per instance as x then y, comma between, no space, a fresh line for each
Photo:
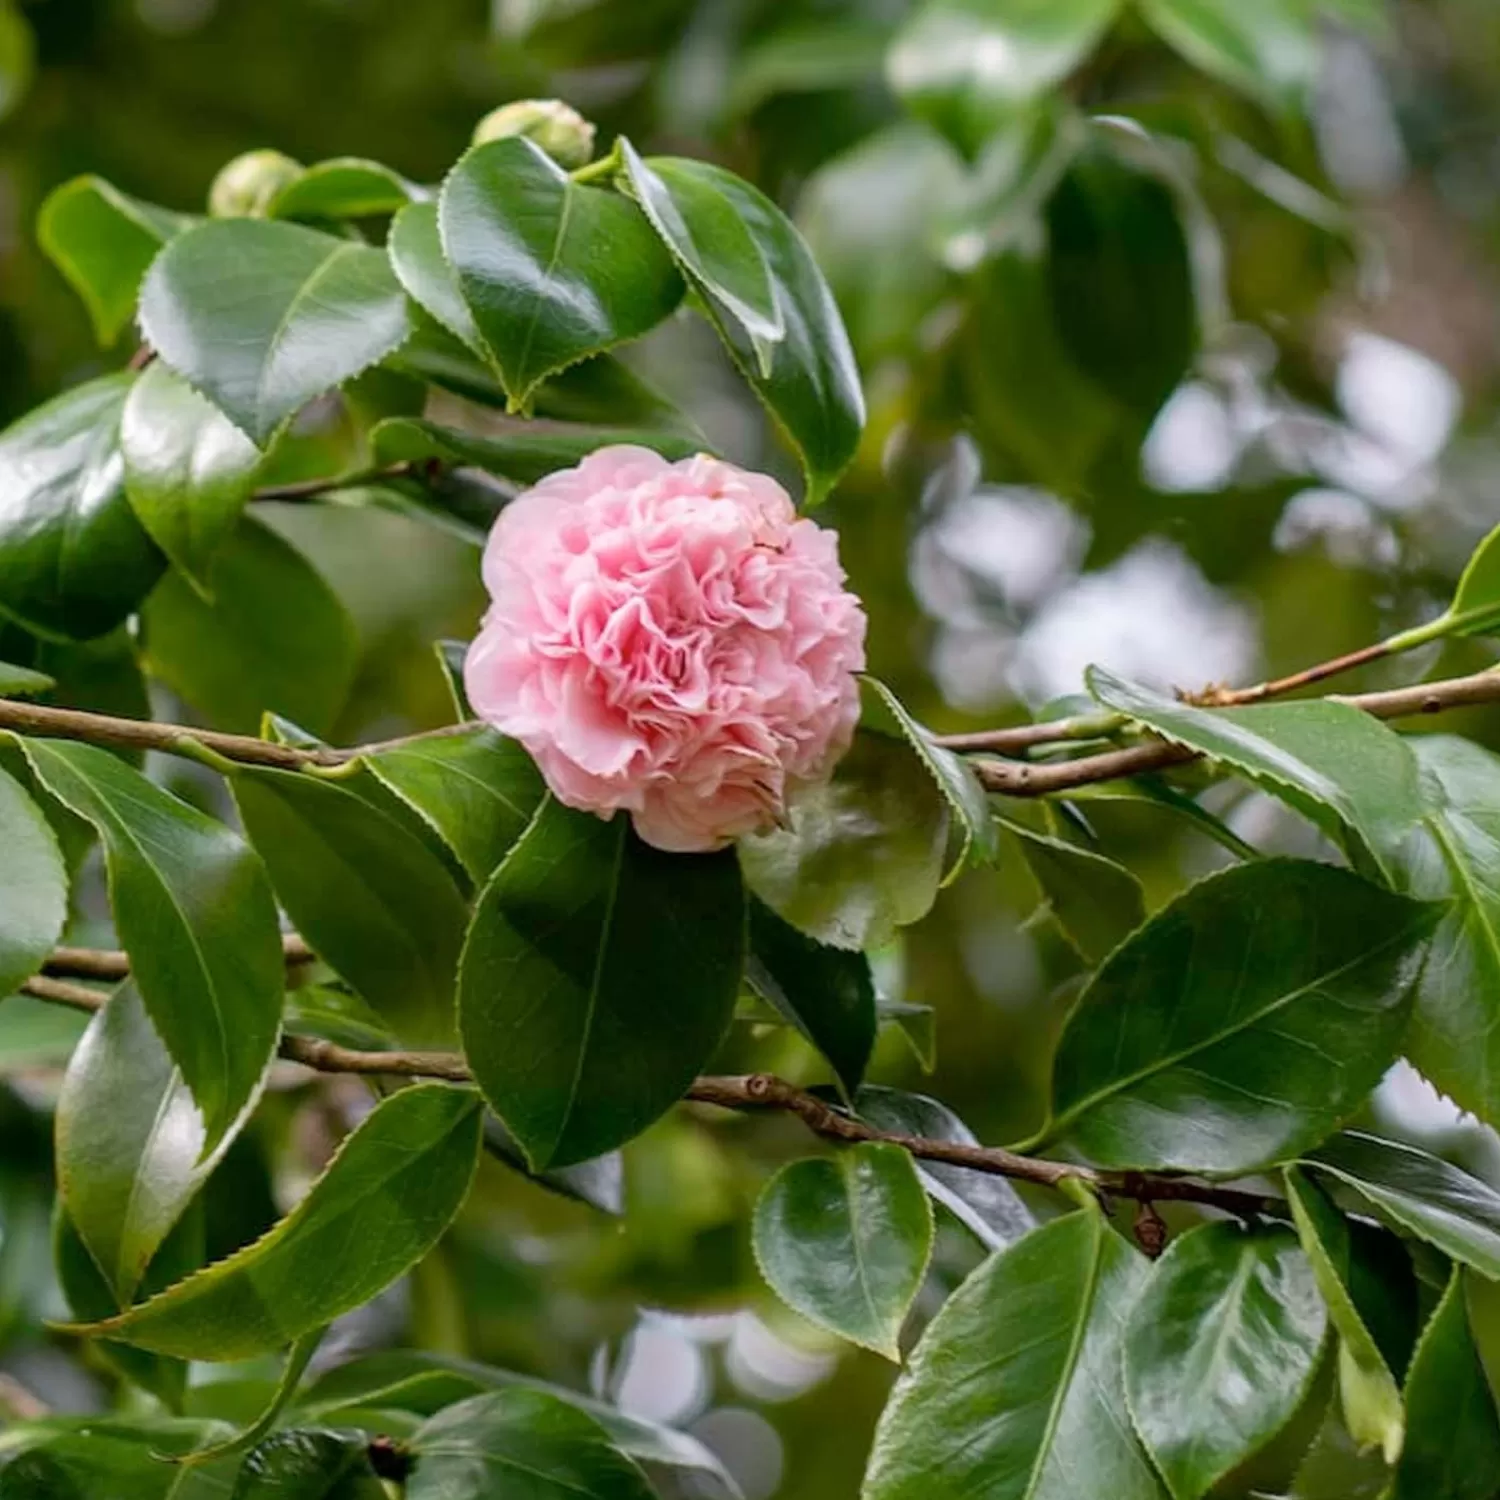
262,316
1475,609
195,913
1242,1024
103,241
309,1464
393,1189
376,903
979,834
1482,1300
521,1443
826,993
74,561
188,470
1221,1349
863,853
33,886
598,976
552,271
807,378
344,187
1346,772
1096,902
1018,1381
1436,1201
971,66
274,638
1453,1433
987,1206
477,788
1269,50
416,250
845,1241
23,682
1372,1406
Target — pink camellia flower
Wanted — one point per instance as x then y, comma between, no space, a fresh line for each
671,639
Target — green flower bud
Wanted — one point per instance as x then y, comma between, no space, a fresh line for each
245,187
556,127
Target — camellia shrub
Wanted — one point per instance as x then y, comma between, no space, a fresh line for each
670,800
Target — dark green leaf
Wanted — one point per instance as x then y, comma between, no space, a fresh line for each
1269,50
1221,1350
1453,1434
597,979
826,993
111,1464
375,902
1372,1406
33,886
863,853
987,1205
1346,772
477,788
552,271
970,66
273,638
188,470
522,455
1242,1024
525,1445
309,1464
1435,1200
845,1241
345,187
74,560
1016,1390
103,241
392,1190
600,1183
416,250
194,911
263,316
1096,902
807,378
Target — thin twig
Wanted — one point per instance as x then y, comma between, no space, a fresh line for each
1237,697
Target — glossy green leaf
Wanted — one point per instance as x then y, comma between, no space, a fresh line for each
713,245
1096,902
23,682
188,470
598,977
1221,1349
988,1206
826,993
416,250
1433,1199
309,1464
344,187
970,66
863,853
1269,50
74,561
274,638
845,1241
376,903
393,1189
978,833
1372,1407
523,455
525,1445
1453,1435
103,241
1016,1391
1346,772
263,316
33,886
195,913
477,788
131,1147
1241,1025
101,1459
807,378
551,271
600,1182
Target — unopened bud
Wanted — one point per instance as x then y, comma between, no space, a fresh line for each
556,127
245,187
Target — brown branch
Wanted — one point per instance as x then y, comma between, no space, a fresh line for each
114,963
1237,697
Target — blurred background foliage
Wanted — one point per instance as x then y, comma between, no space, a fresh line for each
1181,346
